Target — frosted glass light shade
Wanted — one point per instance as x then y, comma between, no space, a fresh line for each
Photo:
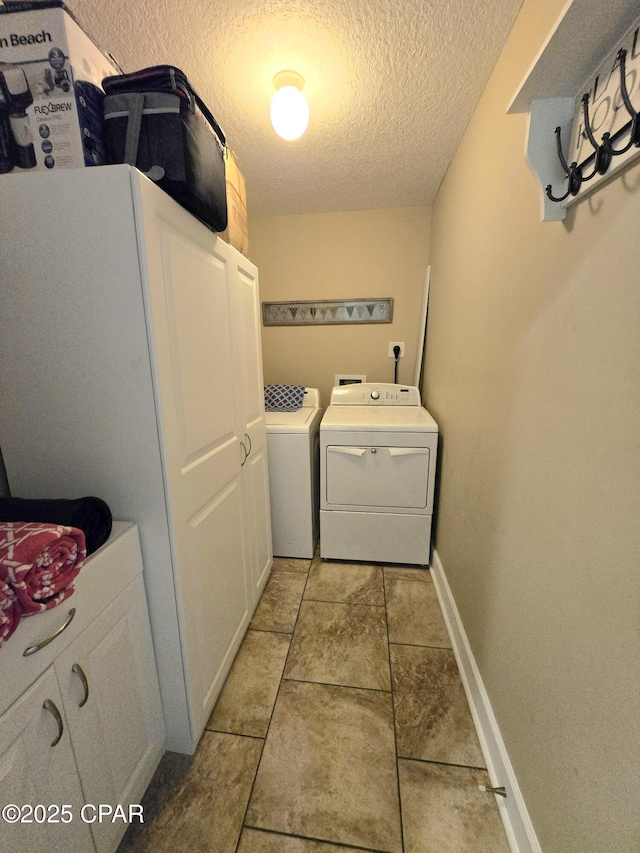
289,108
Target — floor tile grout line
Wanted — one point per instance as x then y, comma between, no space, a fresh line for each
393,711
244,816
234,734
333,684
315,838
267,631
421,646
442,763
255,776
350,603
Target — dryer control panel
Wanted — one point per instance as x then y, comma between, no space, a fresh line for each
375,394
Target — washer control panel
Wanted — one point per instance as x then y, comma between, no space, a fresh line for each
375,394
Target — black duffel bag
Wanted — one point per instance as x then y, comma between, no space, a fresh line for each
89,514
156,122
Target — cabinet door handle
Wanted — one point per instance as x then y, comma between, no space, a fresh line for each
83,678
244,458
248,437
33,649
50,706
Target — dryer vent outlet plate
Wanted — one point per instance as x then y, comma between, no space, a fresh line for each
349,378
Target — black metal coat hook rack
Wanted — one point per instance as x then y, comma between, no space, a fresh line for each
573,173
634,137
604,152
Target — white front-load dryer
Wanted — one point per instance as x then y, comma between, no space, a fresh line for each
378,449
293,459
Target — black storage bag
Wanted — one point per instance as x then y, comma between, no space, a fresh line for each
156,122
90,514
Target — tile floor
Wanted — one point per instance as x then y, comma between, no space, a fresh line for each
342,726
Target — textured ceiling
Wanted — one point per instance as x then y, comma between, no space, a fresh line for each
391,86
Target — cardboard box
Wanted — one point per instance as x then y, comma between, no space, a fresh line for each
237,232
50,90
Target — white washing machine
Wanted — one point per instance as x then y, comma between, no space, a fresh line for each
293,457
378,450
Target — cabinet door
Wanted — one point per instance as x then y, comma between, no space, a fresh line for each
246,292
255,475
188,293
35,771
112,702
256,506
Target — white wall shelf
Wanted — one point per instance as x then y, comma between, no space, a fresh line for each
586,32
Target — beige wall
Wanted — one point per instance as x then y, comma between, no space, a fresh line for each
533,373
353,254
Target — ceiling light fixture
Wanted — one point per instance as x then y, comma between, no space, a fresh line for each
289,108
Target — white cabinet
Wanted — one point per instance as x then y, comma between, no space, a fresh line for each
190,299
89,730
111,703
137,331
37,768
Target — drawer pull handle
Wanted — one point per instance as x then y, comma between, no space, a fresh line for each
31,650
248,437
50,706
77,669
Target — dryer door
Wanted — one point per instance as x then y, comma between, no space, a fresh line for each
377,477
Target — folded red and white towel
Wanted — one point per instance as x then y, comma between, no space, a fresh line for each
38,563
9,611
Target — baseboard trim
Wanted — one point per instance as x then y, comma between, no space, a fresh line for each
513,811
